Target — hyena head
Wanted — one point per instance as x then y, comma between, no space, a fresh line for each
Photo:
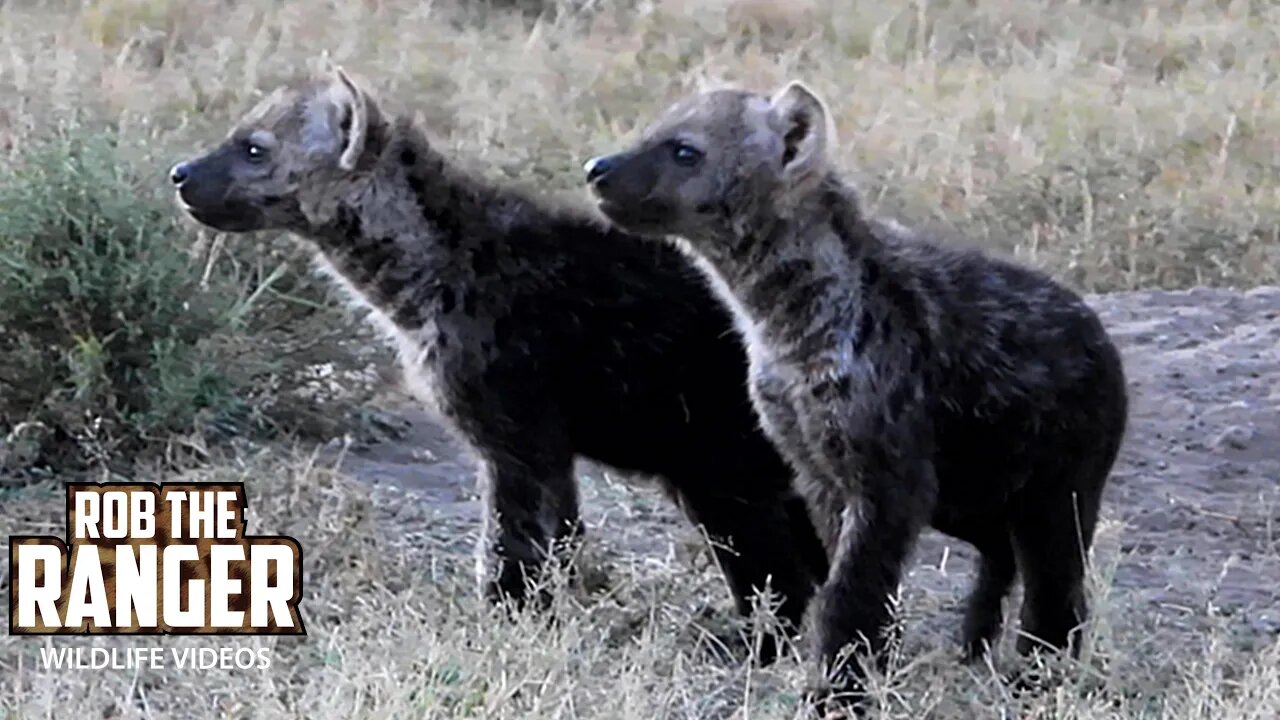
714,163
280,163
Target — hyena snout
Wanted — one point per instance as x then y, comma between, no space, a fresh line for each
179,173
621,182
205,190
598,169
195,188
627,190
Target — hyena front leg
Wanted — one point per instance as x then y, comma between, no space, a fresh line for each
531,503
885,470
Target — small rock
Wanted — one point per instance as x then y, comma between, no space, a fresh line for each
1236,437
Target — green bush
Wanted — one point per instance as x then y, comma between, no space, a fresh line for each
113,338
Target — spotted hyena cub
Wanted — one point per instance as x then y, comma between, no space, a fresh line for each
909,383
538,334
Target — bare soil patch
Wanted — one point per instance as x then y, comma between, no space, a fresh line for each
1196,491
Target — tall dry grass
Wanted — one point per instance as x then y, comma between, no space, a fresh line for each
396,630
1117,144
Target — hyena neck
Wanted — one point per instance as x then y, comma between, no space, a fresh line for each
406,232
798,276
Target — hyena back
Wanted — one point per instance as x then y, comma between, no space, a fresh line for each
908,382
537,334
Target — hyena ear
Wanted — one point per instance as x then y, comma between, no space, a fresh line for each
354,119
806,128
339,120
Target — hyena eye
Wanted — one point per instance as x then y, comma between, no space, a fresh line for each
686,155
255,152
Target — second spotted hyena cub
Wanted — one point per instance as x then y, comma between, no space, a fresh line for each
538,334
908,382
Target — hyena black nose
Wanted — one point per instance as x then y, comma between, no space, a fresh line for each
598,167
178,174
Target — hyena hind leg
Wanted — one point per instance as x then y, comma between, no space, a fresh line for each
984,612
762,538
1052,539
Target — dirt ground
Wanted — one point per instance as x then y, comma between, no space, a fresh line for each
1193,504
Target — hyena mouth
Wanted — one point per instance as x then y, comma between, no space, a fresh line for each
639,217
226,220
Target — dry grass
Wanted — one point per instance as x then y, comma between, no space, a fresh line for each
396,631
1118,145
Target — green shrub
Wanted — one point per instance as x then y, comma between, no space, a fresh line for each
113,338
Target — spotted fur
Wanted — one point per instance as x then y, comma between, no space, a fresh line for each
908,382
536,333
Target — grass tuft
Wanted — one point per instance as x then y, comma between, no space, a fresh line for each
114,339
